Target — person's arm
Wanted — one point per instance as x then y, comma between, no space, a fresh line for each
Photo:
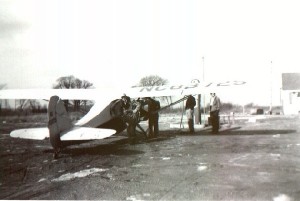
194,102
218,103
138,107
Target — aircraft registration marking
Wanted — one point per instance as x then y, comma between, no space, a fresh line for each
186,87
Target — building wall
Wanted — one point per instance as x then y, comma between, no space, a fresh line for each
291,102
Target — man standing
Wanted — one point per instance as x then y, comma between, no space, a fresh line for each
189,107
215,105
153,115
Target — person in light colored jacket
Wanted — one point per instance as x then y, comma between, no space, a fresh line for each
215,105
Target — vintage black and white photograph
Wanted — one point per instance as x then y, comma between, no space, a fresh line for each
150,100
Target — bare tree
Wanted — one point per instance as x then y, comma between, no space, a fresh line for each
152,80
66,82
27,106
35,106
71,82
155,80
22,104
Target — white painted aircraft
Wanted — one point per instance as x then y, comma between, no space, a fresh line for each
99,122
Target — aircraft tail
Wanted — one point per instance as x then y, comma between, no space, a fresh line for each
58,121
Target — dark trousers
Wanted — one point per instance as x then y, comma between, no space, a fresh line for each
191,125
131,121
153,125
214,117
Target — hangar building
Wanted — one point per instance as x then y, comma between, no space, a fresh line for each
290,95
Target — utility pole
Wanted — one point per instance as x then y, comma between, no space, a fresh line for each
198,119
199,108
271,87
203,93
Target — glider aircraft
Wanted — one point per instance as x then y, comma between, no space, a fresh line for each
99,122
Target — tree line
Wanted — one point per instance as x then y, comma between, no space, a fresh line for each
71,82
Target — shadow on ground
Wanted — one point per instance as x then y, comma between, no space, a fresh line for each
119,147
236,131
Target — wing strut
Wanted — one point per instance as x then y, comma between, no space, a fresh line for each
142,130
174,103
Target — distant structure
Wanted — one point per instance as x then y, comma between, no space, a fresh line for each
290,95
3,103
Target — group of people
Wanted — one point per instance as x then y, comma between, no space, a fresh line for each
214,109
131,111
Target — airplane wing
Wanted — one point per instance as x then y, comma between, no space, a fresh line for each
85,133
65,94
76,133
31,133
112,93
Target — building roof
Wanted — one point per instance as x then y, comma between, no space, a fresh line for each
291,81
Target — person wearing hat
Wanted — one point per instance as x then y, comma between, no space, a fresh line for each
215,105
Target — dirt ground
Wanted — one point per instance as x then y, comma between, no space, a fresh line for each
257,158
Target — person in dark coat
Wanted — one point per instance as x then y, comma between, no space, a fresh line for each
189,107
153,115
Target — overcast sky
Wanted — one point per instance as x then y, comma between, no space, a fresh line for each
117,42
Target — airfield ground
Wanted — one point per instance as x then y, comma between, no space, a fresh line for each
254,159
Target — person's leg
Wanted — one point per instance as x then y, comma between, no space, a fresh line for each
217,122
192,130
130,127
191,125
131,133
212,120
156,128
151,125
189,115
